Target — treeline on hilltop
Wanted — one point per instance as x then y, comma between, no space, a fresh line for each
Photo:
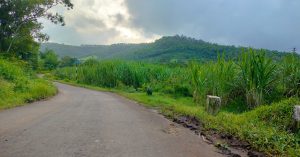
177,49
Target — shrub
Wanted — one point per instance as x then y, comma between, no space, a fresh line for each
18,85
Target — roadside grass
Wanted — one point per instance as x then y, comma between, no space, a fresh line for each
19,85
265,128
259,93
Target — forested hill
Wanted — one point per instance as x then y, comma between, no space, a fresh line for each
101,51
166,49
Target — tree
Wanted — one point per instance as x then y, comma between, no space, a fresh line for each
68,61
19,25
50,60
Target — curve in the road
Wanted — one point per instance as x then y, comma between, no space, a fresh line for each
80,122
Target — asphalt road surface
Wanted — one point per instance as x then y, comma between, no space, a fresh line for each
85,123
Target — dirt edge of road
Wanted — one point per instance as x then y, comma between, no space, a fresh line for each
227,144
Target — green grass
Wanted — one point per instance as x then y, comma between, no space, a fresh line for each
266,128
19,85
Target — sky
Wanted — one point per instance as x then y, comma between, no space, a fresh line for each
271,24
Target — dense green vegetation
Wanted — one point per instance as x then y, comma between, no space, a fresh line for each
253,80
246,85
19,85
20,29
172,49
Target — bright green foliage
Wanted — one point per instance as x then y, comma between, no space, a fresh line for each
251,81
290,75
19,85
129,74
215,78
257,76
199,81
68,61
50,60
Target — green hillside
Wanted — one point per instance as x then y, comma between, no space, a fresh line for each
171,48
101,51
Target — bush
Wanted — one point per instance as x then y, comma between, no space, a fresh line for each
6,89
18,85
277,115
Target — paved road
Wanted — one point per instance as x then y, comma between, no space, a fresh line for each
84,123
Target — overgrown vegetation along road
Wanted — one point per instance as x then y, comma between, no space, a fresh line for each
19,85
81,122
20,29
258,94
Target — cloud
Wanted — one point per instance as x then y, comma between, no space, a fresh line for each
264,24
97,22
269,24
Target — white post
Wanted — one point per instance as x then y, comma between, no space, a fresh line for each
213,104
296,117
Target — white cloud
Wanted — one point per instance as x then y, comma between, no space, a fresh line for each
100,22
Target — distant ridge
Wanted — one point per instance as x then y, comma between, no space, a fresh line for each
166,49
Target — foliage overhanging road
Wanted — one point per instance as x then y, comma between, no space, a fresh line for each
81,122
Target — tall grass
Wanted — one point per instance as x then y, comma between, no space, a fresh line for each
199,80
213,79
257,76
252,80
290,75
136,75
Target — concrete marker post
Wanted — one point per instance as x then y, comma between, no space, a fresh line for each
296,117
213,104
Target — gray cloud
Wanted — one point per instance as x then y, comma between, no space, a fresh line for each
269,24
87,22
